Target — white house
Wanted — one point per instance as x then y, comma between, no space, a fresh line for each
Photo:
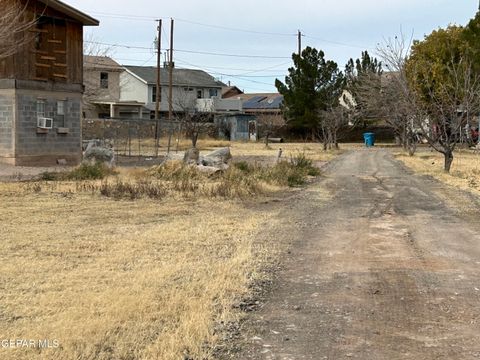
138,83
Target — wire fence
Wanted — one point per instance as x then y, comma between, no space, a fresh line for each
133,140
130,137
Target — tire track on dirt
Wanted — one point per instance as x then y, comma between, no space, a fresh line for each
383,270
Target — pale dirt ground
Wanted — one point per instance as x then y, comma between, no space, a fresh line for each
383,264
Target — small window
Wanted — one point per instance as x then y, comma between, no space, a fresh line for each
40,109
199,94
154,94
189,89
104,80
213,92
60,114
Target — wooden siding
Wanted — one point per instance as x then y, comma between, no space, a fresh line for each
53,53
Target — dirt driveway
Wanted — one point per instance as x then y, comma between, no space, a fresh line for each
382,268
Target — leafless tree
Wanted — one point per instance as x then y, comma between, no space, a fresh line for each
388,96
452,106
192,121
270,124
332,123
15,23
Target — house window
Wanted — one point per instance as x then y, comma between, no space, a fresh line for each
104,80
187,89
154,94
213,92
60,114
199,94
40,109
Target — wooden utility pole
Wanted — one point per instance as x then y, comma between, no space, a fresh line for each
159,89
170,88
170,75
299,43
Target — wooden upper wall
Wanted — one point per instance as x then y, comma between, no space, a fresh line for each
50,51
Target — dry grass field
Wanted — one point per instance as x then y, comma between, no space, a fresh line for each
149,278
464,173
121,279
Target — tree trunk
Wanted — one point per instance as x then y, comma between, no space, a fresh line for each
267,137
194,139
411,145
448,155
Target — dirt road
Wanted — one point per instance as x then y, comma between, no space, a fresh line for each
382,268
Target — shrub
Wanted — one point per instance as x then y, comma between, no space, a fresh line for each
49,176
87,171
244,166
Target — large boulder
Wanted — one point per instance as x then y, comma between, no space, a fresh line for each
217,158
95,153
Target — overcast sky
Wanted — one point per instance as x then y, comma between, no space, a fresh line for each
263,30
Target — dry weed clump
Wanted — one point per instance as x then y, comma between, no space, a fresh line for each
132,191
174,178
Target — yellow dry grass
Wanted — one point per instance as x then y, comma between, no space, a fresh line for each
122,279
313,151
239,148
463,174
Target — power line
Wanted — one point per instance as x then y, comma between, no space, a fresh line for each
227,28
338,43
125,16
235,29
232,55
194,51
227,75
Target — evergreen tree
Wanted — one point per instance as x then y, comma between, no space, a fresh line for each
313,85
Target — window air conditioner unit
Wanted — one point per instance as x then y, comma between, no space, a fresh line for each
45,123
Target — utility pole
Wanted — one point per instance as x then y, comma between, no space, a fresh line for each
159,89
170,88
170,75
299,43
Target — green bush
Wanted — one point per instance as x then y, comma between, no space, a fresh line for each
87,171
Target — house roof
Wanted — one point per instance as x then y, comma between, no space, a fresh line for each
181,77
230,91
261,101
71,12
100,63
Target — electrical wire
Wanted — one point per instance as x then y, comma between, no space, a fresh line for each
194,51
234,29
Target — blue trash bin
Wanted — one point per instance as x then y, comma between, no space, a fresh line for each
369,139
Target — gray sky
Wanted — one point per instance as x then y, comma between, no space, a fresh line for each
264,30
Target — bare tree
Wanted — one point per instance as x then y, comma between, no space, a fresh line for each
333,122
192,121
388,96
270,124
452,106
15,23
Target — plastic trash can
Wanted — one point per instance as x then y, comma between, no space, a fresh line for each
369,139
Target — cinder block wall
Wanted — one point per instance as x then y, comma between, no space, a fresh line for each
7,115
34,148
